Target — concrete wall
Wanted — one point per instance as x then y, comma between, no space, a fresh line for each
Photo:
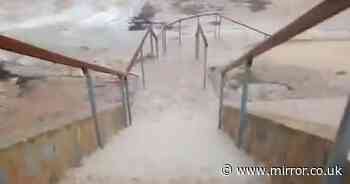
277,145
44,159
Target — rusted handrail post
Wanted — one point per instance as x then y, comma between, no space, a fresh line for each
92,99
200,33
141,60
157,48
164,39
205,67
151,41
197,43
215,27
153,34
125,111
180,33
221,100
219,28
127,99
243,118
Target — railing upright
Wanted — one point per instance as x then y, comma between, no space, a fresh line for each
127,99
215,27
243,118
125,110
221,100
197,44
200,33
164,39
205,67
153,34
219,28
180,33
141,60
151,41
92,99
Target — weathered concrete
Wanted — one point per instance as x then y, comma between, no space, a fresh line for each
276,144
43,159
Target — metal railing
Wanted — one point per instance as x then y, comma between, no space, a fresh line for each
139,57
201,34
26,49
19,47
318,14
217,33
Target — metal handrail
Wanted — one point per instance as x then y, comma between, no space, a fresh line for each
313,17
138,57
19,47
318,14
245,25
165,26
150,32
139,53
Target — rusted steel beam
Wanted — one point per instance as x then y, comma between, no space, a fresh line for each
136,54
245,25
26,49
316,15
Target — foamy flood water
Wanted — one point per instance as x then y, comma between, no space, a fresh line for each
95,25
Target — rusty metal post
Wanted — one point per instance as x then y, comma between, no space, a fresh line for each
180,33
205,63
216,27
157,48
141,59
338,156
151,43
197,43
141,53
92,100
243,119
221,100
122,91
127,98
219,31
164,39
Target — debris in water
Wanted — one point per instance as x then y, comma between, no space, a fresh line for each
85,48
140,21
23,83
4,74
254,5
342,72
